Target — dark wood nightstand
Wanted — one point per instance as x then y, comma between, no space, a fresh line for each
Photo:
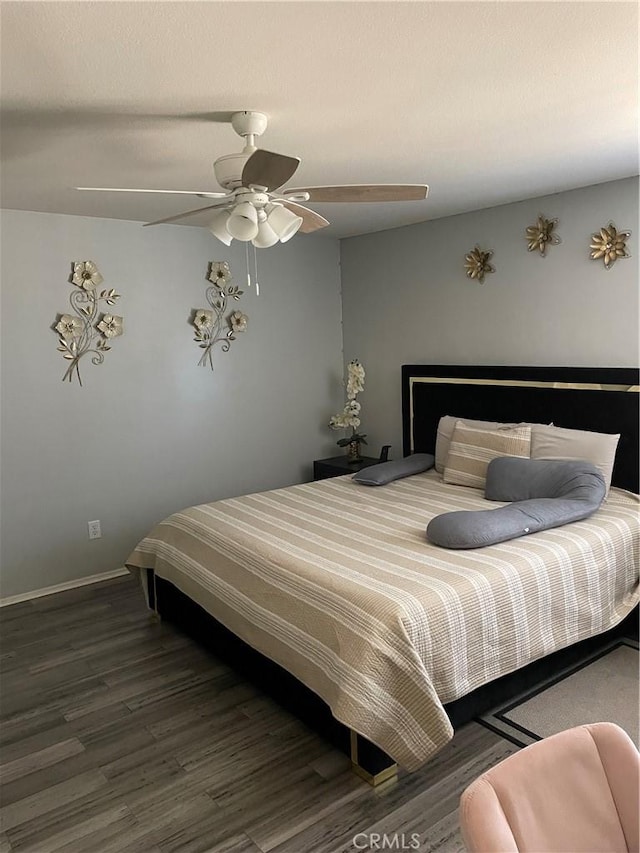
338,465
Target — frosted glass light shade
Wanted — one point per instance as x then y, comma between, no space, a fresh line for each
283,222
218,227
266,236
243,222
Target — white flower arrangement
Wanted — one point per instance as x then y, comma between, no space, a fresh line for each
349,417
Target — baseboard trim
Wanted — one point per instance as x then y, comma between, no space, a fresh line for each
60,587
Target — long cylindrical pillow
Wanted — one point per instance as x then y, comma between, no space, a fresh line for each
396,469
544,494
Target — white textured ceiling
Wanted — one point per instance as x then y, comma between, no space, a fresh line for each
487,102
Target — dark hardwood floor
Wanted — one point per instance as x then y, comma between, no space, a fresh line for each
120,734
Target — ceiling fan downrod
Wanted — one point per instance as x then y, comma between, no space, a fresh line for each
249,124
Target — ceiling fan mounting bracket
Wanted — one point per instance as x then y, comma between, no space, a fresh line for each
248,123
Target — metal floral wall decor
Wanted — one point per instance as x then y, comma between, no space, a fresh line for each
609,244
477,264
88,330
540,235
215,325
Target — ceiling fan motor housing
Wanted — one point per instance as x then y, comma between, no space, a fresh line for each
228,169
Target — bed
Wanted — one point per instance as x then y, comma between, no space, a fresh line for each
330,594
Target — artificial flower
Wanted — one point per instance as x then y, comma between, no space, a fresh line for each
355,378
477,264
610,244
219,272
238,321
349,417
86,275
110,326
69,326
541,235
203,319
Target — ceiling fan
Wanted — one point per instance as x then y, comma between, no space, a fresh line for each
254,207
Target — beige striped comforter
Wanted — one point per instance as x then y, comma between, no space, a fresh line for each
337,583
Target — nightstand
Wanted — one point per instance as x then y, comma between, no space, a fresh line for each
338,465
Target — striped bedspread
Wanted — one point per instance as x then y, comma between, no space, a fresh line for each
336,583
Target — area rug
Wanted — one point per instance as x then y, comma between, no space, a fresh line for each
603,688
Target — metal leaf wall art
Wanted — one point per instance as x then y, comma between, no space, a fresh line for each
215,325
609,244
477,264
88,330
540,236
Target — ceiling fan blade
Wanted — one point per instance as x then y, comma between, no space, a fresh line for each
185,214
267,169
311,221
202,194
364,192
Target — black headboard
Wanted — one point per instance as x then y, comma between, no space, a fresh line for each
598,399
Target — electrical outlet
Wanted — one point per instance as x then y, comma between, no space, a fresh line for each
94,529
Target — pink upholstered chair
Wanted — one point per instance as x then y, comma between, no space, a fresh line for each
573,792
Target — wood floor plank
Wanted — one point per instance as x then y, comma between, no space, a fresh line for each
236,844
112,645
39,759
77,833
41,780
126,693
29,722
51,798
32,743
115,836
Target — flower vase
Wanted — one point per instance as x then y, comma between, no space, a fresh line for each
353,452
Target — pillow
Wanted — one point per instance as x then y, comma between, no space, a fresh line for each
471,450
551,442
546,494
447,424
385,472
520,480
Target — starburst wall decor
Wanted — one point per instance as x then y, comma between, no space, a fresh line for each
214,325
540,236
477,264
87,330
609,244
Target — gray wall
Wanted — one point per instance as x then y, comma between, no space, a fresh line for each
151,432
406,298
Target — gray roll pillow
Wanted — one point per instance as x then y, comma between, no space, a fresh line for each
386,472
544,494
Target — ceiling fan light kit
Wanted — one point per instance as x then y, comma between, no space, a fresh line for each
254,208
218,227
266,236
243,222
284,222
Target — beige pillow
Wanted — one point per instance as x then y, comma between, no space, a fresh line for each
447,424
471,450
599,448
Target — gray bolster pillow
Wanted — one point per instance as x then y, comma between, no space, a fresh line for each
545,493
386,472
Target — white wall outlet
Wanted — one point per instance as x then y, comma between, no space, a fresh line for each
94,529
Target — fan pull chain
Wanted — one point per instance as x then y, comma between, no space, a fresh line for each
255,267
246,263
